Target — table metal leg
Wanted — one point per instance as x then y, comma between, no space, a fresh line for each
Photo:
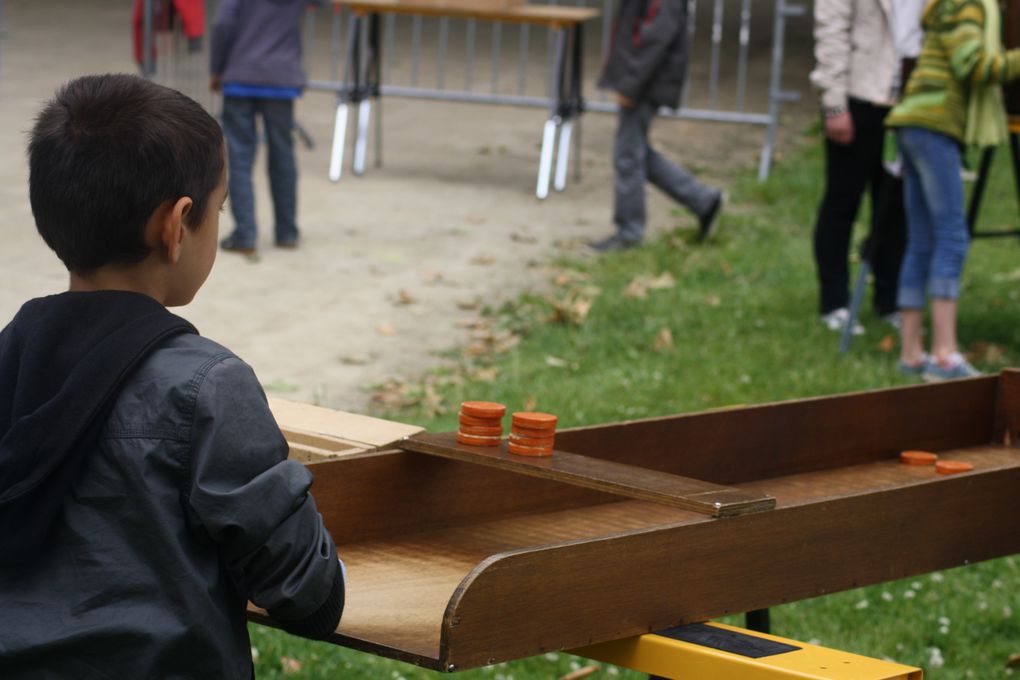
336,156
361,138
552,125
563,156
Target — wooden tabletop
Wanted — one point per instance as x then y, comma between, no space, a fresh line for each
553,16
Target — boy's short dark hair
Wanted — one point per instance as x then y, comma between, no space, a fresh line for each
108,150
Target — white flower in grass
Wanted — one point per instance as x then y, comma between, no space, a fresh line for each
937,577
982,605
863,604
1007,612
254,653
574,666
944,621
916,585
814,641
552,656
944,630
997,583
909,594
935,659
887,596
612,670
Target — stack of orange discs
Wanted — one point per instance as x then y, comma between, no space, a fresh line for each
481,423
531,434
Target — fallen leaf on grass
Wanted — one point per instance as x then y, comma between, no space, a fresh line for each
664,340
726,267
556,362
887,344
290,665
713,300
385,329
1007,277
483,260
572,309
640,285
582,672
986,352
484,374
530,402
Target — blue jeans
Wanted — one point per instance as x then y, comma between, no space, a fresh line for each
937,236
239,128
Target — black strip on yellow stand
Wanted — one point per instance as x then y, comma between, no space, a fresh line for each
732,641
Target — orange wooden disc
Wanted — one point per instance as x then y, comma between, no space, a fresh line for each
952,467
918,457
534,420
477,441
482,409
475,421
475,431
536,442
531,432
538,452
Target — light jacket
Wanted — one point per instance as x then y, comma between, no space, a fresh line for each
855,53
648,53
185,511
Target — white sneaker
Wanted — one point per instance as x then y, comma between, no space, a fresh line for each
893,319
837,319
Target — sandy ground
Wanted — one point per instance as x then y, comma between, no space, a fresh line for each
392,263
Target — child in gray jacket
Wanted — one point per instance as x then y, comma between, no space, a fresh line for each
145,495
645,68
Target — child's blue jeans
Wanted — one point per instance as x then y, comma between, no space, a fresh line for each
937,236
239,128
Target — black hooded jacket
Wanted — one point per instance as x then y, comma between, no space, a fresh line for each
647,58
145,497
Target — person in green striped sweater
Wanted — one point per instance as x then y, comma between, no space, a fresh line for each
953,98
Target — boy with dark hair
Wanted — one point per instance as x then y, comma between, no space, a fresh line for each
646,66
145,494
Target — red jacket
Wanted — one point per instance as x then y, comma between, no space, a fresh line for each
191,12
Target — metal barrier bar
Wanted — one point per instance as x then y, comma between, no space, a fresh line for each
706,94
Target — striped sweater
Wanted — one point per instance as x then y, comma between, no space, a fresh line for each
953,60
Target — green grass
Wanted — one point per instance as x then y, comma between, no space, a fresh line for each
742,328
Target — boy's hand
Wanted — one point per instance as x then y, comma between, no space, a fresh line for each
215,83
624,101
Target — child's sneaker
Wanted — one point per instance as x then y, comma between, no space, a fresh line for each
837,319
915,369
951,368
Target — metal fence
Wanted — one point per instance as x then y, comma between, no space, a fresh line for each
735,72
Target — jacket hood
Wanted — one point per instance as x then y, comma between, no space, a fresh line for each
63,360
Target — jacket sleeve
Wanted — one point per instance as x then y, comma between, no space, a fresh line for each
833,21
658,29
224,31
256,507
963,39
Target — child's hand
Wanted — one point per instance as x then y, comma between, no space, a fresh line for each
215,83
624,101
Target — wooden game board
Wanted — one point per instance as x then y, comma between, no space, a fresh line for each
456,561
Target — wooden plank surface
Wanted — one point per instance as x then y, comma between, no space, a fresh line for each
624,585
548,15
318,429
601,475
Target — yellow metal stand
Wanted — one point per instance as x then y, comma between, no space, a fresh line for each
715,651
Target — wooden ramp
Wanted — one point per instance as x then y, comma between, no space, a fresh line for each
455,562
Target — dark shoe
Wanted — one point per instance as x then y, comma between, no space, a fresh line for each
708,221
232,246
287,245
613,243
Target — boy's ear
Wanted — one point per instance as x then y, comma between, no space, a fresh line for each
173,228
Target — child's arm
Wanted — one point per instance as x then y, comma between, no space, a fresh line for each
256,507
223,33
963,37
658,29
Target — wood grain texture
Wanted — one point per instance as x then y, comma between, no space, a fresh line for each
601,475
456,563
547,15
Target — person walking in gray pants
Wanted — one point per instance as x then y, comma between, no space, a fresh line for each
645,68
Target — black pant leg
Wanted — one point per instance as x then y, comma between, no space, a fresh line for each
847,172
